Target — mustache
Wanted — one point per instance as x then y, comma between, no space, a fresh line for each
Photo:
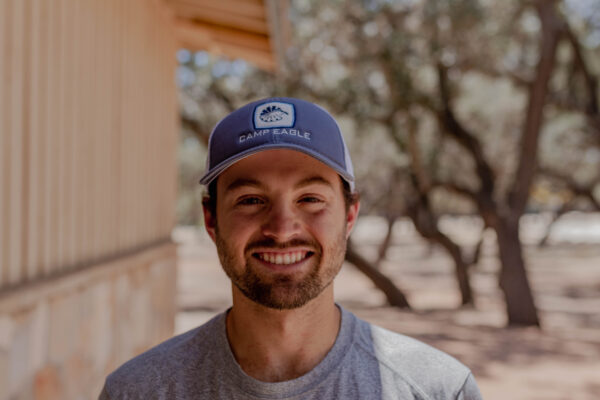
272,243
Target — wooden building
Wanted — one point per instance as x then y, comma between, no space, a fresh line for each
89,125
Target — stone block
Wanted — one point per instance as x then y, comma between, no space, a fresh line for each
65,344
138,276
96,388
3,374
79,376
100,341
39,336
85,318
63,324
122,324
141,313
7,330
20,371
47,384
163,297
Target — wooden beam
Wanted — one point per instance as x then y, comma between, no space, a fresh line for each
231,16
253,48
248,8
229,36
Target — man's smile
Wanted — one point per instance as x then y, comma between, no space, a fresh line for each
283,257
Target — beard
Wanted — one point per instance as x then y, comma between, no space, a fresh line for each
283,291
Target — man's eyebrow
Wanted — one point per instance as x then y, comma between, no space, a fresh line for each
312,180
240,182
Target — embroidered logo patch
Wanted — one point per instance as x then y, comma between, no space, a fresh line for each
274,115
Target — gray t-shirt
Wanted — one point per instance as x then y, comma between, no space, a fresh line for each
366,362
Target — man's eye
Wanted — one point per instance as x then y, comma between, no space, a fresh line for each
310,199
249,201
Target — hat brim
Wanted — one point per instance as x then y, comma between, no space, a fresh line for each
218,169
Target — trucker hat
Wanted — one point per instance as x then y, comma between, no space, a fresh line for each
277,123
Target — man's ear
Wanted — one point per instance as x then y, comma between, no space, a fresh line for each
351,217
210,220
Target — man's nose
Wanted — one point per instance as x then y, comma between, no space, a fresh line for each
282,223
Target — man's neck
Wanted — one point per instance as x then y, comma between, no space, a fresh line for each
277,345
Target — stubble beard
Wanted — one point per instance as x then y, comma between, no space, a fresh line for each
283,291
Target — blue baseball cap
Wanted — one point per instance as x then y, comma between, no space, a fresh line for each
277,123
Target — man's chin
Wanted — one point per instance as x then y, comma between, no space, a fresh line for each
282,295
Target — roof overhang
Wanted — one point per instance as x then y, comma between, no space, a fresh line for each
254,30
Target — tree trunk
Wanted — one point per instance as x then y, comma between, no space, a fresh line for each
426,224
460,265
520,307
477,253
460,268
394,295
513,276
529,146
385,245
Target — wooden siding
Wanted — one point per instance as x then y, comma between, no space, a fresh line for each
88,132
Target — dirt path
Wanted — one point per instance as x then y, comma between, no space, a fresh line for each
561,361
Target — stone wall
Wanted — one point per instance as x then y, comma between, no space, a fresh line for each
60,338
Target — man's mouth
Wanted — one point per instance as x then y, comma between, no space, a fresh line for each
283,258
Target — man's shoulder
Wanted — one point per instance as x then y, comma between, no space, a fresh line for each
159,357
161,363
397,349
407,361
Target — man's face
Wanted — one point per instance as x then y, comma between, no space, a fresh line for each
281,227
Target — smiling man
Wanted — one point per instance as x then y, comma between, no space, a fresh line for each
281,204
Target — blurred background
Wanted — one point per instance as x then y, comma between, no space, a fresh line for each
474,127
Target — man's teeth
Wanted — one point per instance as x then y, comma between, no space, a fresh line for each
287,258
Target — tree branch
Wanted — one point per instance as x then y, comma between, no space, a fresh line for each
590,80
465,138
387,241
425,223
519,193
566,207
394,295
457,189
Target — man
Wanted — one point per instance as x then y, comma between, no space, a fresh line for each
280,207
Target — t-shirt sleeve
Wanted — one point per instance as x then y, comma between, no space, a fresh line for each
469,391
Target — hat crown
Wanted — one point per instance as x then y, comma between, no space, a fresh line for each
273,123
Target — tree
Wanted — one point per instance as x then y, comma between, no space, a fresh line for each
407,62
462,90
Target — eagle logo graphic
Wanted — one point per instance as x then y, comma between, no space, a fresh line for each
272,114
